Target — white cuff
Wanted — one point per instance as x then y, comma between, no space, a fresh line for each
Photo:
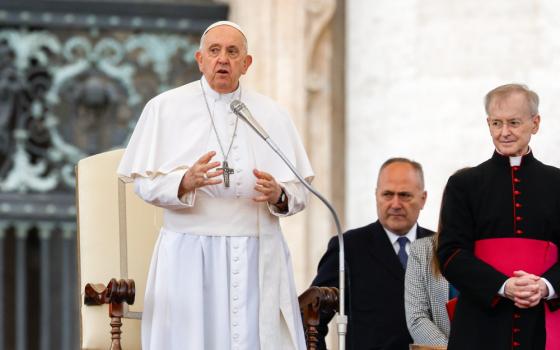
551,291
502,291
162,191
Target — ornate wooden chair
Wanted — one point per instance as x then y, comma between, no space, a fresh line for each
311,303
111,248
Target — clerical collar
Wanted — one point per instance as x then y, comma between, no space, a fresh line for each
513,161
214,95
411,235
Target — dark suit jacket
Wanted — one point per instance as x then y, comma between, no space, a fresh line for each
374,289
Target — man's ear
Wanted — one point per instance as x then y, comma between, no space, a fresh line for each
246,63
424,198
198,58
536,124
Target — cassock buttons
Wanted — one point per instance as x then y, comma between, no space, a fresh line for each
518,218
516,343
519,232
516,180
516,192
517,205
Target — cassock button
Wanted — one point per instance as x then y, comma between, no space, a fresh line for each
516,180
516,192
516,330
516,343
518,218
519,232
515,168
516,315
517,205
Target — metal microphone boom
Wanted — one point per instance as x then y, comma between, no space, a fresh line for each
242,112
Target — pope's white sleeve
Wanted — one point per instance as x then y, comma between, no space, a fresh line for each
162,190
297,199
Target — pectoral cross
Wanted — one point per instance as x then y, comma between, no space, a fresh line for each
227,172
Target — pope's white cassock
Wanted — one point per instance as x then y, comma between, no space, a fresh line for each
221,274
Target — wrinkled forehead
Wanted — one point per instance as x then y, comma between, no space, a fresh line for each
509,105
399,177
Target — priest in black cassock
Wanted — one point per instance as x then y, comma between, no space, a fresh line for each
500,229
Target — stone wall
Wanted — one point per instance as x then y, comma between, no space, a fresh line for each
416,74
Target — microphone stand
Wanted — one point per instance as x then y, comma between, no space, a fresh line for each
341,318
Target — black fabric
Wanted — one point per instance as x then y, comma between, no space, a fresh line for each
374,289
495,200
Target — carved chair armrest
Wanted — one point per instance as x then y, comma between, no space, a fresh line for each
115,294
311,303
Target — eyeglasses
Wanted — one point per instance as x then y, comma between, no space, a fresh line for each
515,123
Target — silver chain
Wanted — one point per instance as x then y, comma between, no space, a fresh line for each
225,155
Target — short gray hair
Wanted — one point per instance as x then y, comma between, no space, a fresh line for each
508,89
415,165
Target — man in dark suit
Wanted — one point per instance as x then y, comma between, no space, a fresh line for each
376,257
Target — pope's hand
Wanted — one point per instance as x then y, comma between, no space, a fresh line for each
268,187
199,174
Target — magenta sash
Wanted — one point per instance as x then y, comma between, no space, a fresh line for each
530,255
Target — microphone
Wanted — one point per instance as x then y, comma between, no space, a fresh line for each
243,112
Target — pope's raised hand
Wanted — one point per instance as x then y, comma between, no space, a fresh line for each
199,174
268,187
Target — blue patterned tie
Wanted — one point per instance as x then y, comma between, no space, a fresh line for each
403,256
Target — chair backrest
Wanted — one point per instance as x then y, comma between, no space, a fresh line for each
116,235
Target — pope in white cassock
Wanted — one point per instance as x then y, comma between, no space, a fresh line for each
221,274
